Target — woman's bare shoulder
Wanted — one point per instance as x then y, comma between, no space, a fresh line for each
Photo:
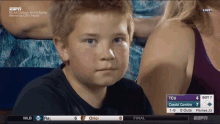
173,40
177,29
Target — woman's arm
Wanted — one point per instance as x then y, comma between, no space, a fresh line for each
145,26
164,64
27,27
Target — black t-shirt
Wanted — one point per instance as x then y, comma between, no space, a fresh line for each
52,94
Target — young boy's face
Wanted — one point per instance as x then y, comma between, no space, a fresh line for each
98,49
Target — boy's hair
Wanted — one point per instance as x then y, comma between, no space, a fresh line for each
64,13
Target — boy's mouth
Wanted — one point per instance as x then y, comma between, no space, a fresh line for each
107,69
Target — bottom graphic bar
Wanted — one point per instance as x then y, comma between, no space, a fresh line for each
97,118
116,119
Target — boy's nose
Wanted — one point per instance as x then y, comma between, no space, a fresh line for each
106,53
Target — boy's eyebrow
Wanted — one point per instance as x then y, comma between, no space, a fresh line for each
97,35
90,34
119,34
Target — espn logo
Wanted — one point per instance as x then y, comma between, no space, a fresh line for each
14,8
200,117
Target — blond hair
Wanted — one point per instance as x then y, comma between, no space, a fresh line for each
64,13
188,11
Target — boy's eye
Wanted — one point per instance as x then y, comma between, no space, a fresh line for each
90,41
118,40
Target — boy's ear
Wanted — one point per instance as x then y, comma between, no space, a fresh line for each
61,48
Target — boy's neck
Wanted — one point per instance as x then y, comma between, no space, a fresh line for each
93,96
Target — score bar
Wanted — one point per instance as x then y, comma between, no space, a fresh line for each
190,103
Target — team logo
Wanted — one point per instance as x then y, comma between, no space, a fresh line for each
83,117
120,118
38,118
75,118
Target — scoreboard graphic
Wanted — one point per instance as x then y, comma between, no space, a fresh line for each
190,103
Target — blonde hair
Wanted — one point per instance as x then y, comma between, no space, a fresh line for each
188,11
64,13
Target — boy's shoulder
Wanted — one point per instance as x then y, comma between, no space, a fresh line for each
45,92
50,81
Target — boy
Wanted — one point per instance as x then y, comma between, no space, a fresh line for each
93,39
